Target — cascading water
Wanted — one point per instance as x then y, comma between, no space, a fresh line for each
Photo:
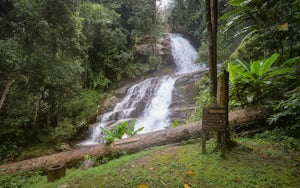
156,115
122,110
184,55
156,112
150,99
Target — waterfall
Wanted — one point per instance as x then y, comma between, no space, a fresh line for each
123,110
156,113
184,55
148,101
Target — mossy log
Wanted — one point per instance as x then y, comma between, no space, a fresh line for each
128,145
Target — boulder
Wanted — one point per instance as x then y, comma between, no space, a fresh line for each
88,163
108,104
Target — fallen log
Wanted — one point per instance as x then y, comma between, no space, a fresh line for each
250,115
128,145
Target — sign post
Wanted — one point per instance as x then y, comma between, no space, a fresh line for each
216,118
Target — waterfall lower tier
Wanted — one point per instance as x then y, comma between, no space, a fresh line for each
156,114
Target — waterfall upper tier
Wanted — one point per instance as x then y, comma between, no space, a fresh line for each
184,55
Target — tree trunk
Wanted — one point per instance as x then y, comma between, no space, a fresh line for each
222,100
222,89
211,18
37,102
5,91
130,145
214,25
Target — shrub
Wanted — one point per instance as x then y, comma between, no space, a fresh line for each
64,131
279,135
119,131
82,107
287,113
18,180
202,99
252,83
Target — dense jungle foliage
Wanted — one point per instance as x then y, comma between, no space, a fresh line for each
57,58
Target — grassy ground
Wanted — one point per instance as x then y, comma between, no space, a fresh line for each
253,163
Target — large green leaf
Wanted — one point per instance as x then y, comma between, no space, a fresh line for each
255,67
267,64
230,14
235,2
243,64
233,72
119,130
249,76
278,72
291,61
106,131
252,3
130,128
109,137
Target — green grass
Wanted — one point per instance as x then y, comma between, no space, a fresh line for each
253,163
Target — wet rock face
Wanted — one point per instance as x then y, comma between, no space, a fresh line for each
108,104
183,95
182,105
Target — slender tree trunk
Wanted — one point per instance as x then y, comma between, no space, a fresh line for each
5,91
214,24
37,102
222,100
154,22
211,18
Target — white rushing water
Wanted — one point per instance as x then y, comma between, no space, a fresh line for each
157,112
184,55
122,110
163,4
154,94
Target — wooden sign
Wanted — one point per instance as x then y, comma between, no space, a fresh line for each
215,119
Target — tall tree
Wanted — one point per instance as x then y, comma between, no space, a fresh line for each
211,18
